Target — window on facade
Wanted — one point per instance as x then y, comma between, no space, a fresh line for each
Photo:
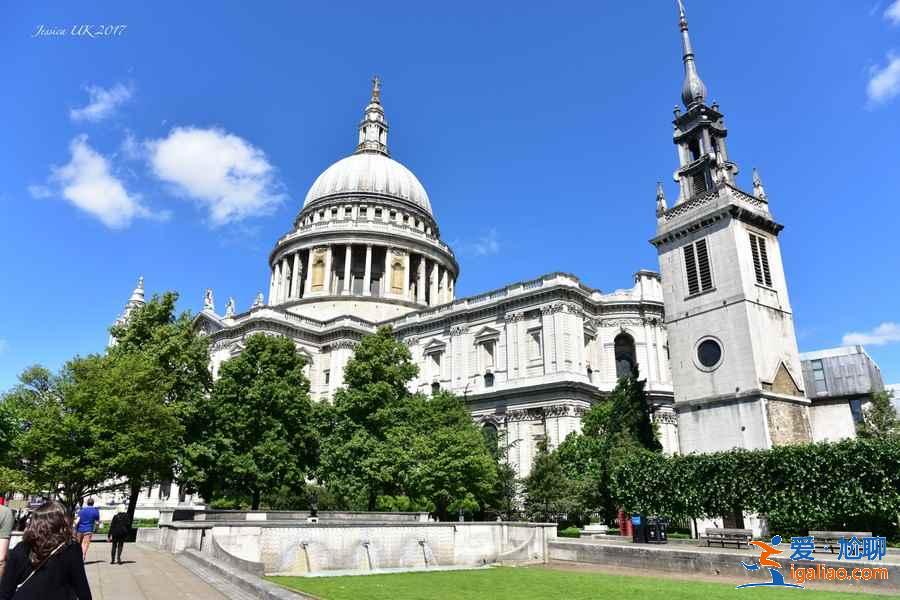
377,213
709,353
819,377
321,214
697,267
487,354
393,215
534,345
434,364
760,260
699,181
334,212
435,387
397,277
488,380
406,219
363,212
348,211
625,355
326,376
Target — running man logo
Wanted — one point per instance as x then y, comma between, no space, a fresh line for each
772,565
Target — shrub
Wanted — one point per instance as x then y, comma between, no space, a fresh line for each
569,532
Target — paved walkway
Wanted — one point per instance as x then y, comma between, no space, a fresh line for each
146,575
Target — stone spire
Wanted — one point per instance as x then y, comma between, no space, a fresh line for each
374,127
758,190
661,205
135,302
693,91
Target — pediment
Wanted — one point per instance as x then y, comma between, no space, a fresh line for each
435,345
206,323
486,333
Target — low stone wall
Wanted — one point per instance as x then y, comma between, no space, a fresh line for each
685,560
299,548
172,515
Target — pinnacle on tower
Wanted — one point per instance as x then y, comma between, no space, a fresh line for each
693,90
374,127
758,190
661,205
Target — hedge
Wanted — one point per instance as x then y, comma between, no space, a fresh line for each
797,487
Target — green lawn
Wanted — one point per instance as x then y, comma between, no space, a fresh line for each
507,583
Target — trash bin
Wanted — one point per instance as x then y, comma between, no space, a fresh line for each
639,529
657,528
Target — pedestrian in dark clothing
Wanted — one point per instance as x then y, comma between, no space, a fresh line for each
47,563
119,529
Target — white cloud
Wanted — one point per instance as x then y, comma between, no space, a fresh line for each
87,182
487,244
886,333
224,173
102,102
884,83
892,13
131,148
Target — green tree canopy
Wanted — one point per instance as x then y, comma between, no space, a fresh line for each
259,429
385,441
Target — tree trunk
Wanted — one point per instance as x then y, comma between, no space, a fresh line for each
255,501
134,494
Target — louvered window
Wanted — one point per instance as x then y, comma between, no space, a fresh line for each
760,260
697,267
698,181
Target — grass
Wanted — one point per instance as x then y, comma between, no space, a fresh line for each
531,583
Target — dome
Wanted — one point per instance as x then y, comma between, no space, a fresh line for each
369,172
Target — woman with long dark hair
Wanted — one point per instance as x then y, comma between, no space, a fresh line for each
47,564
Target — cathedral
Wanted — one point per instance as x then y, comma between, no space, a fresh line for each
712,333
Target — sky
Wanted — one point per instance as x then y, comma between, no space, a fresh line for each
180,146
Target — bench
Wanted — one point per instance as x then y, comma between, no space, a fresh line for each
830,540
738,537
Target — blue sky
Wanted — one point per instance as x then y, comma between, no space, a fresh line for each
181,148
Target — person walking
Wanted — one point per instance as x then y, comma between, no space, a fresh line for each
88,517
7,521
45,565
119,529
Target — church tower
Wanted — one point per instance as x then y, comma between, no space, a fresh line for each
733,351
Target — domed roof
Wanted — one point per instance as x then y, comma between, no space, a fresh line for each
371,172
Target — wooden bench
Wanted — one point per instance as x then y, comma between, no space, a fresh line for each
830,540
738,537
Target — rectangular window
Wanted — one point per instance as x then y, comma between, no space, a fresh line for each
327,375
760,260
534,345
698,181
697,267
819,377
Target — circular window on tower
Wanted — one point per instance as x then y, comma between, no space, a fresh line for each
709,354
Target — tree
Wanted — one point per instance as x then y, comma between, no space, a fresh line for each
166,366
612,429
55,442
260,434
385,441
880,417
546,487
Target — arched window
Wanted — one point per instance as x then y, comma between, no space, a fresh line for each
435,387
625,355
488,380
397,277
318,274
491,438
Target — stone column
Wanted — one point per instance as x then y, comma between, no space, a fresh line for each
276,284
434,284
328,276
512,351
272,286
285,278
295,276
386,278
451,293
445,294
548,339
406,275
309,270
420,281
367,278
348,261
